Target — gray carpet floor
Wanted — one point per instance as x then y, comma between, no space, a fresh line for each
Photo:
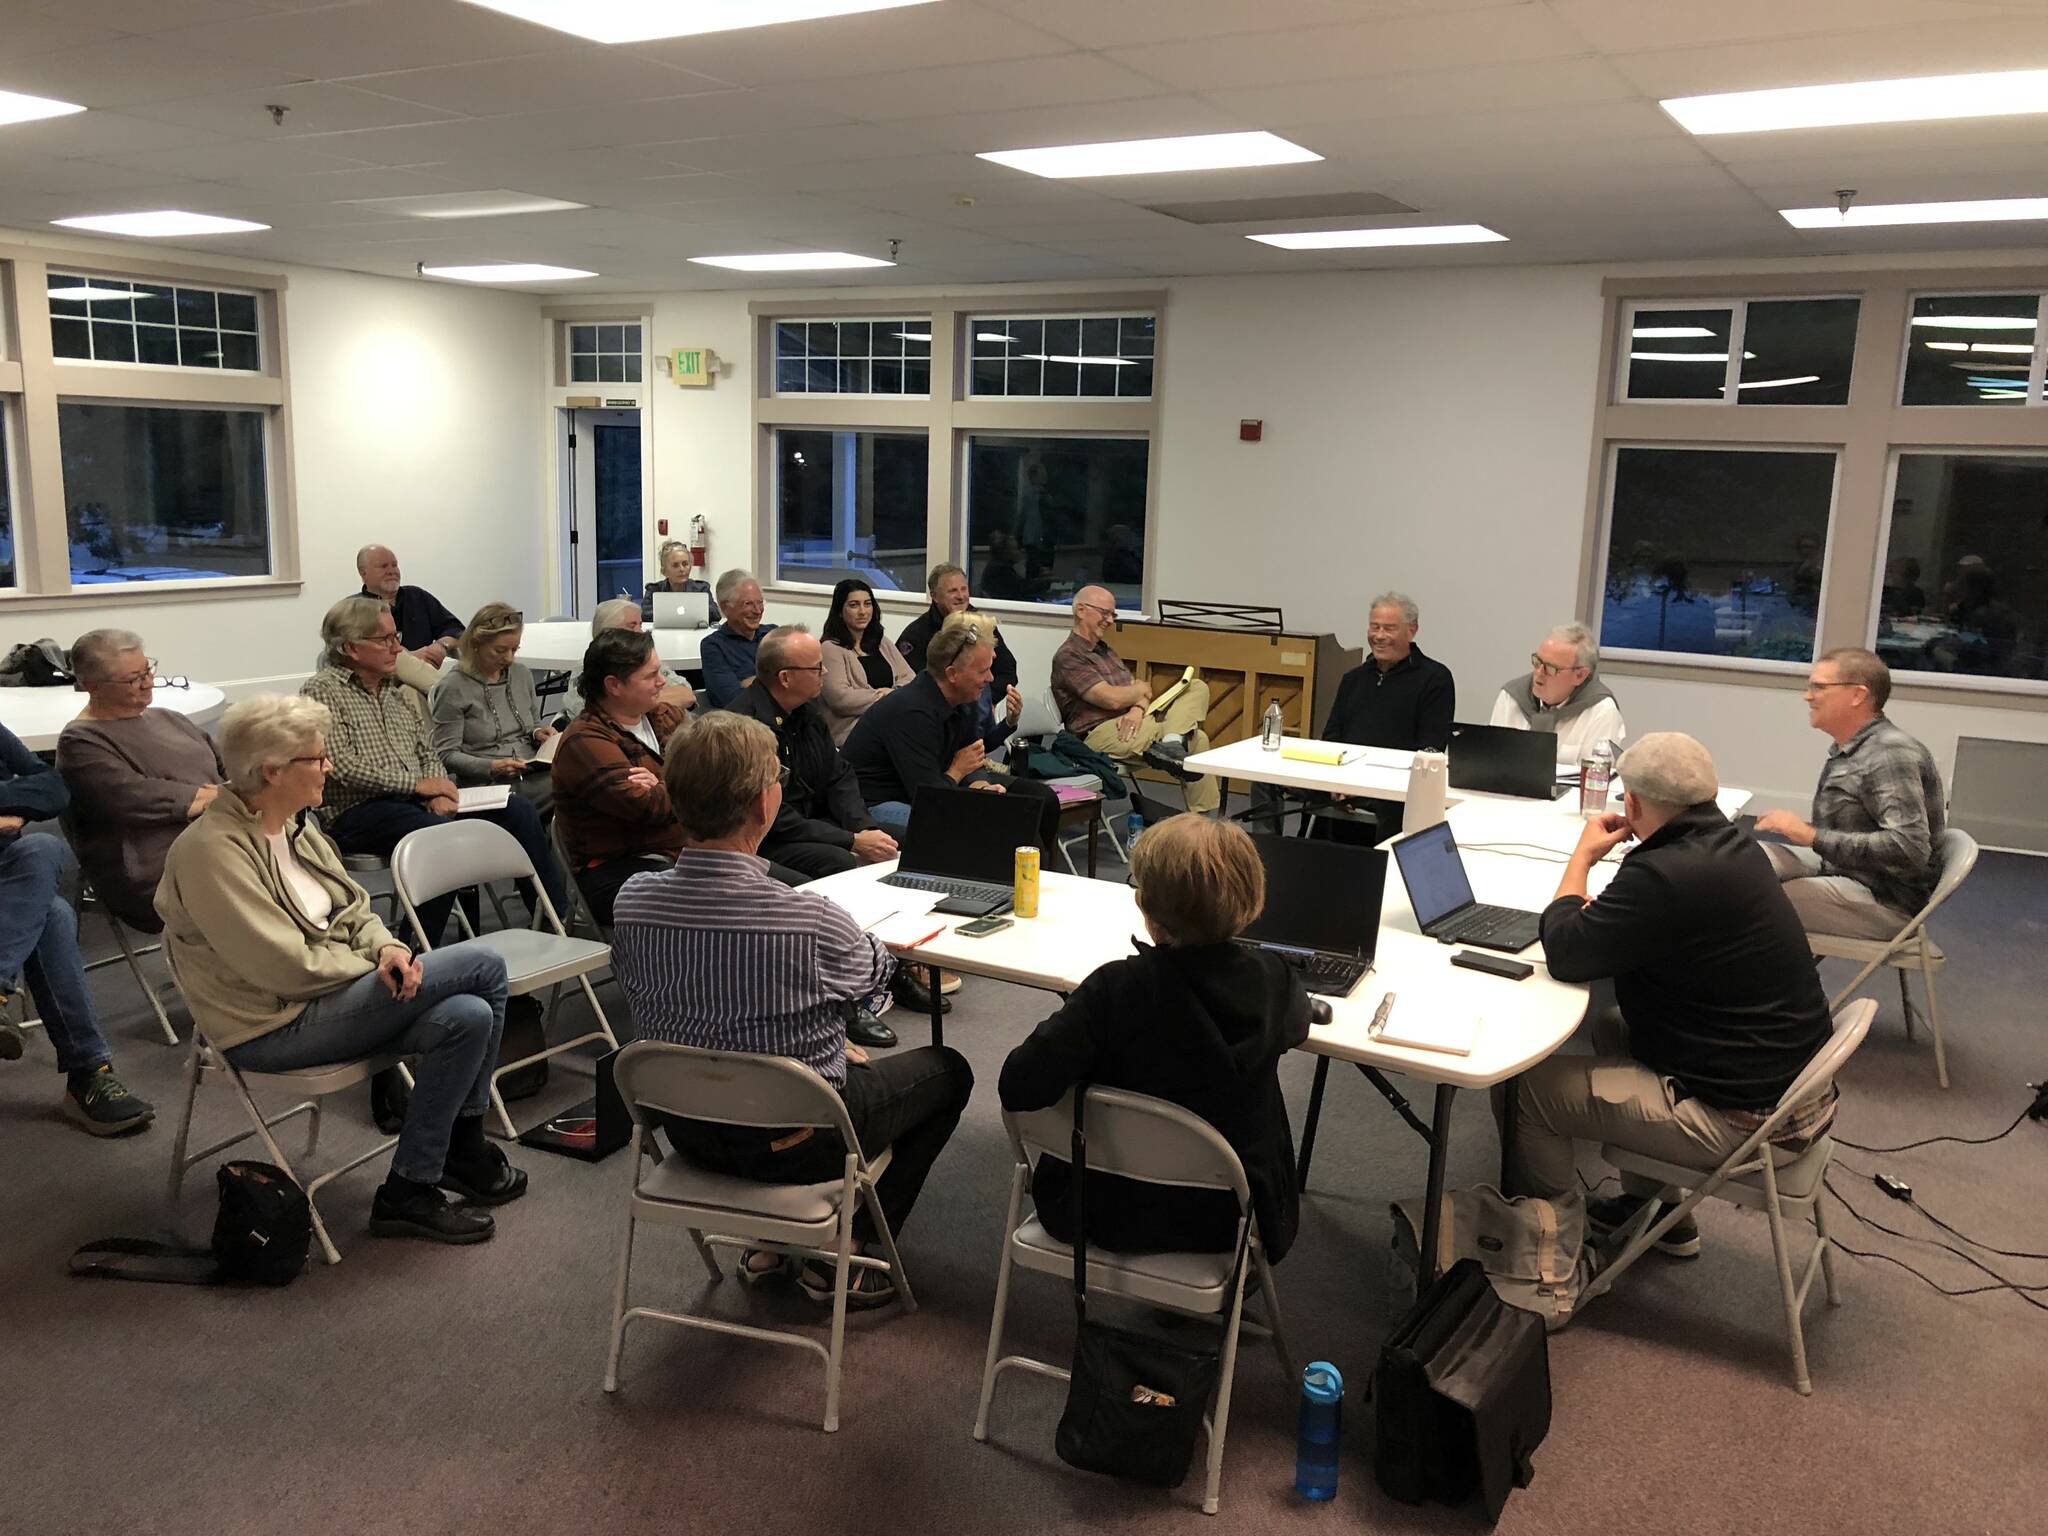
421,1389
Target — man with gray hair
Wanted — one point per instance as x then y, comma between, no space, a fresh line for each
1717,1008
1561,694
425,626
728,650
624,613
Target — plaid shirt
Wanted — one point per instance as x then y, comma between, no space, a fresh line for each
1801,1128
380,743
1078,666
1877,815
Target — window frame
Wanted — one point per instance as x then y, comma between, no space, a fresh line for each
964,533
36,380
973,317
1738,333
771,359
774,490
87,274
2034,368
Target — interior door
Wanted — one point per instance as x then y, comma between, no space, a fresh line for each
602,525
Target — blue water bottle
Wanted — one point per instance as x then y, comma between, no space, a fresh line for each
1133,826
1322,1426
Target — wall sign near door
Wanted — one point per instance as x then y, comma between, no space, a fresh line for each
693,367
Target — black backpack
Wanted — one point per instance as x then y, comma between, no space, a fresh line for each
36,664
260,1237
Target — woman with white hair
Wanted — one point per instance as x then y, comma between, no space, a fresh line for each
137,775
675,564
286,966
624,613
487,719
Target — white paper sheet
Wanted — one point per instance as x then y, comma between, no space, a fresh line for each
482,797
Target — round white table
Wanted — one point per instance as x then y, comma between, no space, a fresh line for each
37,715
561,643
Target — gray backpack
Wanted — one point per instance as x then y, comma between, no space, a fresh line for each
1532,1261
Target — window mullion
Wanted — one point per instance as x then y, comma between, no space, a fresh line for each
1738,328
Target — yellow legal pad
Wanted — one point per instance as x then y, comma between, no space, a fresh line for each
1305,754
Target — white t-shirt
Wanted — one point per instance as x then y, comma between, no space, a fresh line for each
313,897
1575,737
643,728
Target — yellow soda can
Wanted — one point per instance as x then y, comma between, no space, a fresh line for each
1024,893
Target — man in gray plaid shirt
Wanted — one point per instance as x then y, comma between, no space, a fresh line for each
1871,856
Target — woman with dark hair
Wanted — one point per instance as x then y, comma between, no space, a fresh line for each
612,813
860,664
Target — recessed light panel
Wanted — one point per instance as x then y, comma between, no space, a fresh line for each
160,224
17,108
1359,239
507,272
2008,93
1993,210
465,205
793,261
639,21
1153,157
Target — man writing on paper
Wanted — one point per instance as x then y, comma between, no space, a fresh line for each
1560,694
1717,1008
1116,715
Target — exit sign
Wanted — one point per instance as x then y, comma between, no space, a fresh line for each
693,367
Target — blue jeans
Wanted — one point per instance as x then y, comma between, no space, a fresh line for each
375,826
892,816
39,936
451,1025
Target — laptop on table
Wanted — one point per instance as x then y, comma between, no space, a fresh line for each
682,610
1441,894
963,844
1500,760
1322,913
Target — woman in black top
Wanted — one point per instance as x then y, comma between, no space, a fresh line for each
1200,1021
860,663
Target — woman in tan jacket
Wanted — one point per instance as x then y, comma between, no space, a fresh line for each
860,663
286,966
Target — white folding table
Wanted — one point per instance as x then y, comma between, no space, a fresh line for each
38,715
560,643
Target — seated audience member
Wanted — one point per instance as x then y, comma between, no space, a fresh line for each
426,629
1717,1005
925,733
624,613
1100,702
279,953
1397,698
1003,577
677,575
1560,694
137,775
487,719
387,779
947,585
728,650
860,663
768,969
1871,856
610,809
39,943
1200,1021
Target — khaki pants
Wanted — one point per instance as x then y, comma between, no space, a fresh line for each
1183,718
1833,904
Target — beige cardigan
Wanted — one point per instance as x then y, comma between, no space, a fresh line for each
248,959
847,694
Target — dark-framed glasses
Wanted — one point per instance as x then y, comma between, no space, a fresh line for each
1548,669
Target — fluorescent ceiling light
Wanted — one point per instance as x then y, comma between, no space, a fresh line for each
1948,346
87,291
1993,368
2003,394
493,204
506,272
2025,348
793,261
1804,378
1008,341
1669,332
2006,94
1683,357
1419,234
638,21
1049,357
1977,322
1993,210
160,223
17,108
913,335
1152,157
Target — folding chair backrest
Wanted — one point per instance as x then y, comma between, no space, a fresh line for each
728,1087
1958,858
453,856
1852,1023
1137,1137
1039,717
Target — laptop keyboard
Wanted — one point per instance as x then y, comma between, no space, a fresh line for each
975,890
1479,924
1333,975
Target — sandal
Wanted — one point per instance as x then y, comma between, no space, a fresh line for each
752,1277
865,1286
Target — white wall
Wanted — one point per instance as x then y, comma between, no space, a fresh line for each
418,422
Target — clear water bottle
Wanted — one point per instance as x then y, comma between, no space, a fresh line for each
1321,1428
1269,731
1132,827
1596,776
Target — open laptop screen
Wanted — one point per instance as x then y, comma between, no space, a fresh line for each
1433,873
968,834
1323,896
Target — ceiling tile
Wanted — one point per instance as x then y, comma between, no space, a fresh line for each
997,87
792,146
311,108
1087,123
539,82
1482,88
336,41
1892,53
144,16
877,42
1626,26
26,33
99,133
1096,24
232,157
134,69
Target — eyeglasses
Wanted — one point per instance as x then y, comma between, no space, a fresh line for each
390,642
819,669
1107,613
782,777
1811,685
150,674
317,757
1546,669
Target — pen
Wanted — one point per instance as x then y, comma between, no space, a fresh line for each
1379,1019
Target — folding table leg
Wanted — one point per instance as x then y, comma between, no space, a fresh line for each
1439,1149
1308,1126
931,978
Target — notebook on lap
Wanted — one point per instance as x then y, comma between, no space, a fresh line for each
1441,894
1499,760
1322,913
963,843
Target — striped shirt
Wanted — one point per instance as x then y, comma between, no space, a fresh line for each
719,954
1878,817
380,742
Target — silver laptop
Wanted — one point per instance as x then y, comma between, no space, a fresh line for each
682,610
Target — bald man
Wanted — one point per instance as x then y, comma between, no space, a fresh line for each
425,628
1111,711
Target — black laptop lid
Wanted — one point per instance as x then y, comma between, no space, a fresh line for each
968,834
1434,873
1319,895
1500,760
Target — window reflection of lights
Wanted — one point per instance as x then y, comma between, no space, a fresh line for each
1683,357
1978,322
1670,332
1804,378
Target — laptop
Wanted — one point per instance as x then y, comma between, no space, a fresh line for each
963,844
1322,913
1441,895
594,1129
1500,760
682,610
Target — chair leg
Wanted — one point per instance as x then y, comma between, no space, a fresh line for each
611,1361
1827,1247
1271,1306
1795,1334
1905,1001
886,1236
995,1322
1220,1423
504,1114
1933,1012
709,1256
184,1136
842,1264
327,1248
156,1003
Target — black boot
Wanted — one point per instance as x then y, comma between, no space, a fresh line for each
390,1097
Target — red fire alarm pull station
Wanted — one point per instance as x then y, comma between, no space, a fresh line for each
661,525
1249,431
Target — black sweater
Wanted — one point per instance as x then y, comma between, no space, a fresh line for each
1204,1028
906,739
1410,706
1710,964
821,803
917,635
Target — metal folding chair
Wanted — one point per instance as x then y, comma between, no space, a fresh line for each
130,952
1155,1142
808,1220
433,861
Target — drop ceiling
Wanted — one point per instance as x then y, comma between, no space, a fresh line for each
1535,117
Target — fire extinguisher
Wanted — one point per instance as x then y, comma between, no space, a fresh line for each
700,537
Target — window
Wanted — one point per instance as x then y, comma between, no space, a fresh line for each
1048,515
6,505
1062,356
853,357
161,493
1965,585
1716,552
851,504
114,320
1972,349
1750,351
604,354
